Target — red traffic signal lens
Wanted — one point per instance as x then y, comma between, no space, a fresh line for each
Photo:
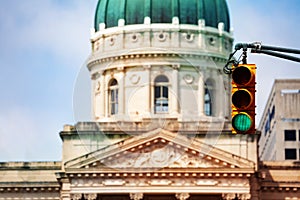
241,99
241,75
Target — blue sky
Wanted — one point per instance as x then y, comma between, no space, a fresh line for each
44,45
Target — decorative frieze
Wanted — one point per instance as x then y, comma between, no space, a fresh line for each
231,196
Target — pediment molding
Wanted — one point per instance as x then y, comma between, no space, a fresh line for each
160,149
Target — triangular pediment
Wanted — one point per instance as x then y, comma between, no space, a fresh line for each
160,149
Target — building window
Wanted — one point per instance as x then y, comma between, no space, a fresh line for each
207,103
208,96
289,135
161,94
113,96
290,154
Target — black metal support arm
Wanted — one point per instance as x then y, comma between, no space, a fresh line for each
270,50
257,47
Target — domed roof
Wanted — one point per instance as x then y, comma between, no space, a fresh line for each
162,11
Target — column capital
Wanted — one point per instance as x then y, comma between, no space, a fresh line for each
176,66
244,196
90,196
136,196
182,196
76,196
147,67
228,196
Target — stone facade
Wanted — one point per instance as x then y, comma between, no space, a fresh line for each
29,180
280,124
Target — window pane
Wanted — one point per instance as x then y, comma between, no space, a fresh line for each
113,108
165,92
161,79
207,103
206,96
113,82
112,95
116,108
117,95
290,154
289,135
157,91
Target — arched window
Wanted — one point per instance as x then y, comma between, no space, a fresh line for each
161,94
208,96
113,96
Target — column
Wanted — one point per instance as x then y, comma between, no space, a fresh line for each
148,89
122,93
201,95
102,96
175,96
221,98
65,189
96,98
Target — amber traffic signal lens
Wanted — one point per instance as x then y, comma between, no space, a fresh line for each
241,99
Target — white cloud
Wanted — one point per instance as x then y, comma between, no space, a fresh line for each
27,135
46,25
17,133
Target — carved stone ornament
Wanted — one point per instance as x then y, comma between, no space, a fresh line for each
229,196
162,36
188,78
161,157
90,196
111,41
244,196
98,86
188,37
136,196
135,37
135,79
182,196
76,196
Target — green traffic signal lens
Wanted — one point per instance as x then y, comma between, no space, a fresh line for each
242,122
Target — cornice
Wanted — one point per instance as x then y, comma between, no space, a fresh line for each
153,56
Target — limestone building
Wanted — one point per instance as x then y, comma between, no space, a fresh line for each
280,124
161,114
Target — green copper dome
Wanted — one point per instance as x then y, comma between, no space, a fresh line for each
162,11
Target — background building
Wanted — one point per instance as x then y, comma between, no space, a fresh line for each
280,124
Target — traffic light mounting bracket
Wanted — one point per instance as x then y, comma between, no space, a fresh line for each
257,47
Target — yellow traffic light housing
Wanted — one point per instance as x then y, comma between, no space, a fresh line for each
243,98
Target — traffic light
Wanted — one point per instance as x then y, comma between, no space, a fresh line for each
243,99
